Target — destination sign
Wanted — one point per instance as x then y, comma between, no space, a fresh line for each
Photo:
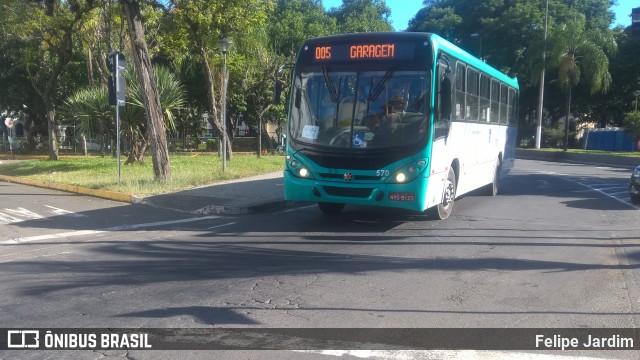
360,52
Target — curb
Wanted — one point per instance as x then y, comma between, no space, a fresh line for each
104,194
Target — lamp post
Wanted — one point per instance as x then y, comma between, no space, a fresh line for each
225,46
541,94
636,94
477,35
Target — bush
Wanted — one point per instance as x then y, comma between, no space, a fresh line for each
631,124
211,145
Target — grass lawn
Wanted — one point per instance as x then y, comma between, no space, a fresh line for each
137,179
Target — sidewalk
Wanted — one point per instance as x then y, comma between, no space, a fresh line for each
235,197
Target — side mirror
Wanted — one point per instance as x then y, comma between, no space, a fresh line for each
445,97
277,92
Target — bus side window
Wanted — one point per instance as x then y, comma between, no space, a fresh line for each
460,108
443,121
484,98
472,95
495,102
503,104
513,115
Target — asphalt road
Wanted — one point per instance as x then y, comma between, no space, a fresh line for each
558,247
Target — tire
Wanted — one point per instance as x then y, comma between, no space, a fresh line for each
492,189
444,209
635,199
330,208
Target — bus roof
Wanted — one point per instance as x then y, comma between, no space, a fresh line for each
451,49
437,42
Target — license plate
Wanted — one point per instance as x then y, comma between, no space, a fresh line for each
402,196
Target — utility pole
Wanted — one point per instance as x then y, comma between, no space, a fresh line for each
541,94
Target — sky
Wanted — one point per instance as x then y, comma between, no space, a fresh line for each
403,10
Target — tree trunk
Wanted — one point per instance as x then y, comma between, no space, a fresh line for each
138,148
85,152
155,120
566,123
51,125
216,114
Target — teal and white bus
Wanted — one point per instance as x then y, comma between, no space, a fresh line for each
402,120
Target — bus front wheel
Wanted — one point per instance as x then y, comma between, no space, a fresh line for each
330,208
444,209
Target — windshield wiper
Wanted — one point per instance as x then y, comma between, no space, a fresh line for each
381,85
332,89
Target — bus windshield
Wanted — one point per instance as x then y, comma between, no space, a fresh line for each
360,109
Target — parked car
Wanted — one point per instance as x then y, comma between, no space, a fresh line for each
634,186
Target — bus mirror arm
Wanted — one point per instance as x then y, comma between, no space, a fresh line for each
277,92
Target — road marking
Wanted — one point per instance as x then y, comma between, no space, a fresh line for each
295,209
8,219
94,232
24,213
440,354
59,211
584,182
217,226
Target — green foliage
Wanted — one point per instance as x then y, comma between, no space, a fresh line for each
298,20
362,16
632,124
90,106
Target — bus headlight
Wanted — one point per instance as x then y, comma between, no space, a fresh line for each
409,172
298,169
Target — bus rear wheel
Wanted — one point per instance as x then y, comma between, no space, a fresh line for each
492,189
330,208
444,209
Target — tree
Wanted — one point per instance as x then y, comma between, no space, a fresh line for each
578,54
200,24
95,115
362,16
632,125
149,91
298,20
44,32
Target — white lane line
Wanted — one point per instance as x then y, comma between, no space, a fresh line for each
568,178
22,212
59,211
93,232
8,219
217,226
296,209
441,354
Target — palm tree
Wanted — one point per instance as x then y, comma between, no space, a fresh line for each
91,107
579,53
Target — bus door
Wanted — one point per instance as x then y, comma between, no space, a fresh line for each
440,157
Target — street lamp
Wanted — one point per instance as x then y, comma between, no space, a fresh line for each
636,94
477,35
224,45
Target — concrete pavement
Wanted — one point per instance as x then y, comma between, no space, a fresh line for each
235,197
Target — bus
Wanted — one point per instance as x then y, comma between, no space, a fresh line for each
400,120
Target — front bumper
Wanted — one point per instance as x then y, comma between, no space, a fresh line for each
410,195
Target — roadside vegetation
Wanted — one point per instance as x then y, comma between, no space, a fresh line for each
97,172
53,65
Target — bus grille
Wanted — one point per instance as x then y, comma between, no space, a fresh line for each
348,192
355,177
